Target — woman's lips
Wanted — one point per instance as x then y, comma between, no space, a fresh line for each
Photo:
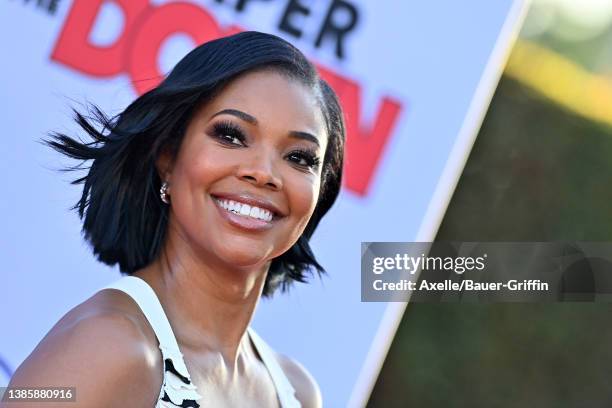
251,200
243,221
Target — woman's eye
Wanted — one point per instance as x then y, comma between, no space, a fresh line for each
304,159
232,139
229,134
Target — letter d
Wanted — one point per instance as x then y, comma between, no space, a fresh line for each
74,49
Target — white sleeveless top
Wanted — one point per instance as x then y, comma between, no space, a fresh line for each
177,389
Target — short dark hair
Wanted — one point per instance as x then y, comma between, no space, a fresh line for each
123,217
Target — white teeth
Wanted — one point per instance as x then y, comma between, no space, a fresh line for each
245,209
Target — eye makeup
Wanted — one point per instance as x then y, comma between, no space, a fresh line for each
304,158
231,134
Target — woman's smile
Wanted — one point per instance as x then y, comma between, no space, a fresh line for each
242,212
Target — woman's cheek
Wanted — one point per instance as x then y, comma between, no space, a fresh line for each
211,164
305,196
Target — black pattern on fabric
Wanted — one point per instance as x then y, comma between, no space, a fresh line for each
187,403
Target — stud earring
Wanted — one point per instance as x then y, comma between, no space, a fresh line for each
163,193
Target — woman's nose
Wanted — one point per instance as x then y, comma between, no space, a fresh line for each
260,171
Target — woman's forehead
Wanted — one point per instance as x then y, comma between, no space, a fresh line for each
271,98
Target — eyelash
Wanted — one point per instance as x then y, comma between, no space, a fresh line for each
227,131
222,130
312,161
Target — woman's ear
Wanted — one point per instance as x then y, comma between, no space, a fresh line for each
164,164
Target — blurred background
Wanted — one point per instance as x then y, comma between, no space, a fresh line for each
540,170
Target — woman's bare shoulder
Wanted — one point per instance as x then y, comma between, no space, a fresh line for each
102,347
306,388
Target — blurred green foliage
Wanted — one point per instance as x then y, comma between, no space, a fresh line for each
536,173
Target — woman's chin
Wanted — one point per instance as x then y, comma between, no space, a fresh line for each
246,258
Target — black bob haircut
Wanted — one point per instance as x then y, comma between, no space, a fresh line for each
124,219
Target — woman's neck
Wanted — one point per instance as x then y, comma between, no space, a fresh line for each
209,305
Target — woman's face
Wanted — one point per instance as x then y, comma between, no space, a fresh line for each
246,179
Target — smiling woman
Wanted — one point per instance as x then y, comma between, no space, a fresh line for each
205,191
246,158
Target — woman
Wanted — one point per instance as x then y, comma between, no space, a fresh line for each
205,191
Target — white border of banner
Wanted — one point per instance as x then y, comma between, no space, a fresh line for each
443,193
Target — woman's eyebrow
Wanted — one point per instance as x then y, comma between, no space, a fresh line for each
252,120
305,136
240,114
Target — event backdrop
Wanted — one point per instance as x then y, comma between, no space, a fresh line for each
414,79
